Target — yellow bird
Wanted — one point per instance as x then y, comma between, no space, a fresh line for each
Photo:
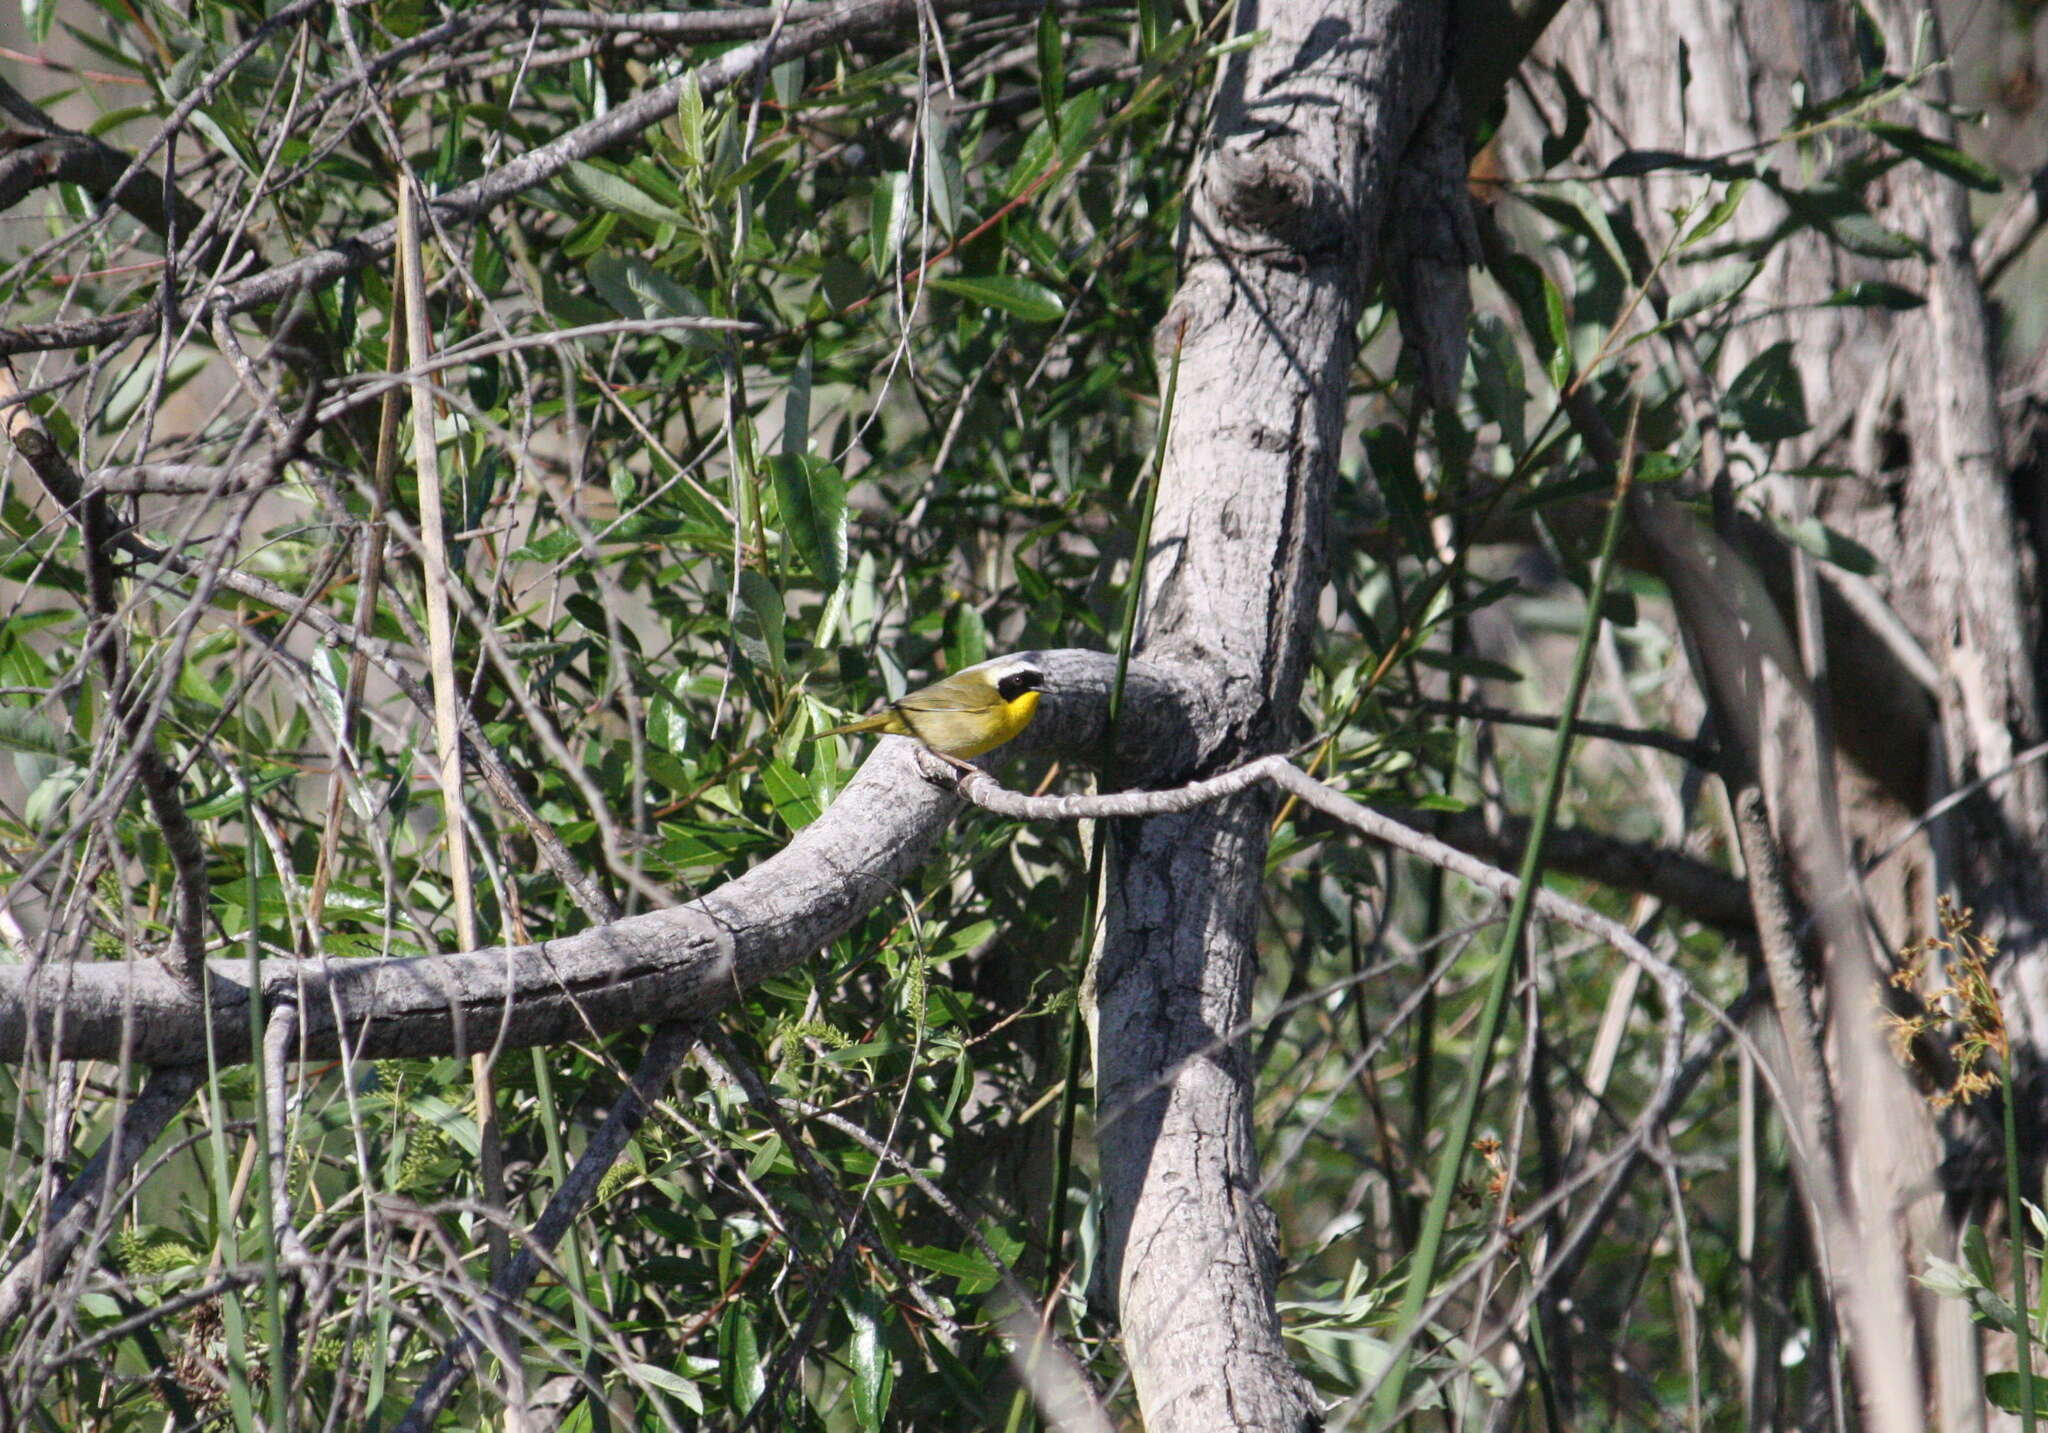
973,711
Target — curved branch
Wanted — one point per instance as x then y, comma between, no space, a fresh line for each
981,789
682,963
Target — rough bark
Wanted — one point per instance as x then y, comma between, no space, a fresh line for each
1905,401
1285,219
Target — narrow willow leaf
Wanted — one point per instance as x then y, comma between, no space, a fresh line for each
1936,155
621,196
1723,210
812,496
1052,69
796,408
1830,546
1711,292
1874,293
1023,298
888,217
1767,400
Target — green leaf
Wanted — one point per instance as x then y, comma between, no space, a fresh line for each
788,78
1024,298
1634,162
669,1382
1861,234
870,1362
1155,20
1584,485
812,497
1497,373
972,1270
668,726
1619,608
1577,208
1466,665
888,219
739,1360
1723,210
690,119
758,628
1527,285
684,845
636,289
1946,1279
1941,157
1872,293
1711,292
25,731
1977,1255
944,184
1052,69
1558,367
611,191
967,637
1391,454
556,545
796,408
1830,546
229,800
2006,1390
1561,145
1767,400
1079,117
794,800
1660,467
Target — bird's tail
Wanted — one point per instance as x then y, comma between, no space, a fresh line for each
867,723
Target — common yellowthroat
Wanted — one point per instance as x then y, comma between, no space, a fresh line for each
973,711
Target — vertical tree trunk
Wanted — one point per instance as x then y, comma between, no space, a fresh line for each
1932,660
1284,224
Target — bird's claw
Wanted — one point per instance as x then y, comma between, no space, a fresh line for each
941,769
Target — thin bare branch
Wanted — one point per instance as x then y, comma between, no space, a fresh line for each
76,1208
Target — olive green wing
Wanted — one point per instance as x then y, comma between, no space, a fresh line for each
951,695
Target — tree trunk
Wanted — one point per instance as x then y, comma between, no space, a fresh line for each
1905,402
1285,224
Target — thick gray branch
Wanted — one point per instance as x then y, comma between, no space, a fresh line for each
683,963
1285,216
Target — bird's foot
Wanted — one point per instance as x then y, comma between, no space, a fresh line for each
941,769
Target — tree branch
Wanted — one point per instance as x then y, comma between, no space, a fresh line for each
665,1053
75,1209
681,963
982,790
471,201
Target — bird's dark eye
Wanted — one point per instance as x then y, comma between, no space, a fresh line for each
1016,684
